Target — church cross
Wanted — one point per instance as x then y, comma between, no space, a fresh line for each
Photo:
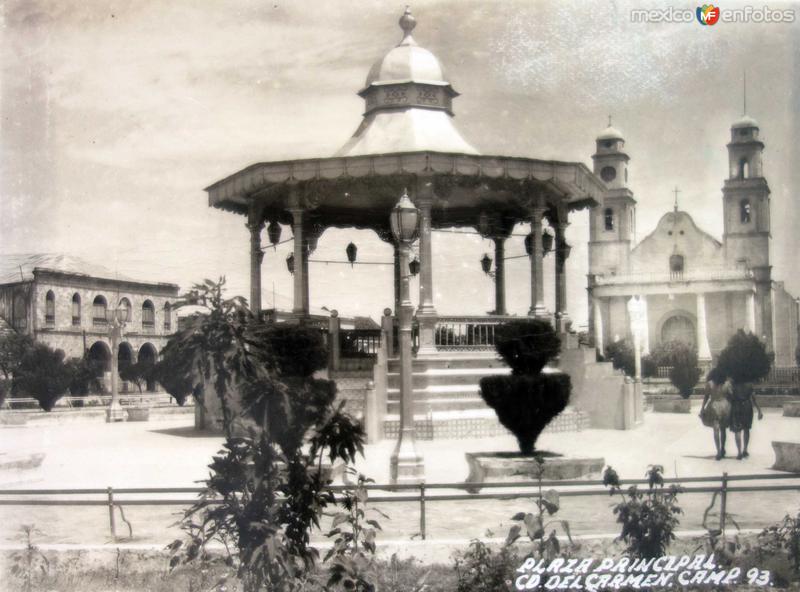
676,191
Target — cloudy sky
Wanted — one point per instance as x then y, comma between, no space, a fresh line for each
116,115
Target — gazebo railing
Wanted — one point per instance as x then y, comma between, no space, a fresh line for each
467,332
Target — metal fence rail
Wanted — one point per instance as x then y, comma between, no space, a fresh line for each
418,493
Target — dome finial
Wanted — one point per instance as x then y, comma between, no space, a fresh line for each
407,22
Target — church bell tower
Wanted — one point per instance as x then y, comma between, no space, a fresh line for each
612,223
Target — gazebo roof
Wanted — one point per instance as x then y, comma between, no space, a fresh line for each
406,139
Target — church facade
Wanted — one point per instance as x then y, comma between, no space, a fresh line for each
693,287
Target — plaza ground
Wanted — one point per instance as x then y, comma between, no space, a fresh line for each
171,454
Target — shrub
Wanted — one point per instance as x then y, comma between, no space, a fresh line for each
649,518
526,404
526,346
480,569
83,376
139,373
13,347
266,491
683,364
528,400
42,375
745,358
621,355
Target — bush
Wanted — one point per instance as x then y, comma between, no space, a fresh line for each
84,374
526,346
291,350
621,355
139,373
526,401
42,375
13,347
745,358
526,404
683,363
649,518
480,569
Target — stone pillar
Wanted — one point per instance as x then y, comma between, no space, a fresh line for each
751,312
256,257
561,277
387,326
299,308
645,327
499,275
598,327
537,308
306,299
703,350
426,313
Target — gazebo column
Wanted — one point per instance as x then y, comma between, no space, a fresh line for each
499,275
561,277
703,350
537,308
426,313
256,257
301,263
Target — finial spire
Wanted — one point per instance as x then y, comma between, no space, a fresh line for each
744,94
609,120
676,191
407,23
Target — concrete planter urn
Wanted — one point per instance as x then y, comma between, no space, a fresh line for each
513,466
791,409
138,413
672,406
787,456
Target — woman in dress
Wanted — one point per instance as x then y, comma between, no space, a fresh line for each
715,412
742,402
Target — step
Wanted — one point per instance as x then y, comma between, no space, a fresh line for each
444,362
440,404
443,376
445,391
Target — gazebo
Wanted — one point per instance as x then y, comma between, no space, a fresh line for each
407,141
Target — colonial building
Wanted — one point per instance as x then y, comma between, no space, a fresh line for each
62,301
694,287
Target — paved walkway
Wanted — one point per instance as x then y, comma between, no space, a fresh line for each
171,454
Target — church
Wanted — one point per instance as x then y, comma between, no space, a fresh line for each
692,287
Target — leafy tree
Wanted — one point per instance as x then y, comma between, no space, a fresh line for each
13,347
139,373
745,358
267,489
527,400
649,518
622,356
42,375
683,364
84,374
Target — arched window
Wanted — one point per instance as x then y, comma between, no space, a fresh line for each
99,307
167,316
608,218
676,266
50,308
76,309
744,169
745,213
126,304
148,314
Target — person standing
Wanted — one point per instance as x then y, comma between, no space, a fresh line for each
742,402
715,412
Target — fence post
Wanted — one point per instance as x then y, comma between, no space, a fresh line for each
723,505
111,519
422,510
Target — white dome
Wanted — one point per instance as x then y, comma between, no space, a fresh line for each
745,121
610,133
407,62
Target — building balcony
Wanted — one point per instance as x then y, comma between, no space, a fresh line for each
699,275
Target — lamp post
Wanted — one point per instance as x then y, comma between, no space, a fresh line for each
116,317
406,465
